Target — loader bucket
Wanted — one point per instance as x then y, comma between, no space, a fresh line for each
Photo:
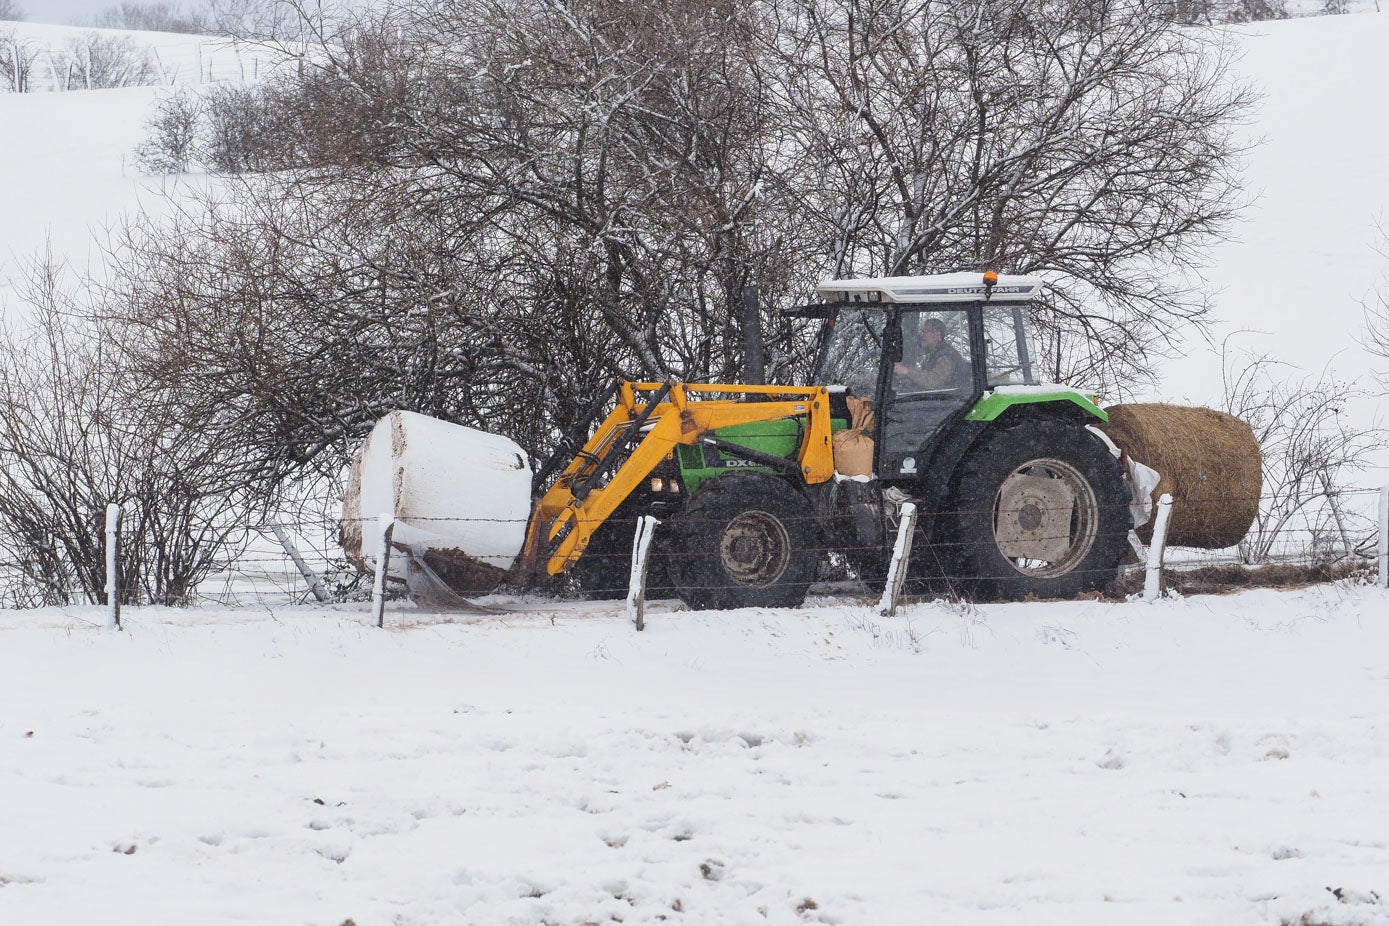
460,498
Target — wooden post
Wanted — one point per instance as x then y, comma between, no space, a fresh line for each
113,546
636,584
385,528
1152,582
901,556
311,577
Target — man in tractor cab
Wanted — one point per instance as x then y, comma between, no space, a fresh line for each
939,365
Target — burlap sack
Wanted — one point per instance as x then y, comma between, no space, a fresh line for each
860,413
853,452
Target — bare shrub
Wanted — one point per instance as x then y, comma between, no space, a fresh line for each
1309,445
1248,11
152,16
76,433
248,130
171,135
1210,12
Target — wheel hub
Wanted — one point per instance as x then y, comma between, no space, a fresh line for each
1045,518
755,548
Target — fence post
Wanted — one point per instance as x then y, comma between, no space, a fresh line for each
385,528
113,545
1153,580
636,583
309,575
1384,537
897,568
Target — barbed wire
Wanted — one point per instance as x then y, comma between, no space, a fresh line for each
263,572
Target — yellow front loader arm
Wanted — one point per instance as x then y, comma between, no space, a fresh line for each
599,478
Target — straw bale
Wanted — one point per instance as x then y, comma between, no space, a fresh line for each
1209,462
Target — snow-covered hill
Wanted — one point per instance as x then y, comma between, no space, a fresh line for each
175,59
67,165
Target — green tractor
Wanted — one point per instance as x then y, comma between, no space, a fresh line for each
1018,497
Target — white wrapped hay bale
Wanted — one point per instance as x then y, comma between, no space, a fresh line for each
460,497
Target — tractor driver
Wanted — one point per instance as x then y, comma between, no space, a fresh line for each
940,365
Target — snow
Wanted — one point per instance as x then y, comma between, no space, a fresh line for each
1217,759
1207,760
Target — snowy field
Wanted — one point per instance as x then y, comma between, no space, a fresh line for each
1198,761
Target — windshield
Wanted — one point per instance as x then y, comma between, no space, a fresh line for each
1011,353
853,350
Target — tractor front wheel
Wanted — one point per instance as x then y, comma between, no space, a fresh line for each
747,540
1040,509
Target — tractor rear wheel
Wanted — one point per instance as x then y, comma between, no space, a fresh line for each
1040,510
746,540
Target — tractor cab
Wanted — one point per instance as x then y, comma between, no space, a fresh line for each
925,350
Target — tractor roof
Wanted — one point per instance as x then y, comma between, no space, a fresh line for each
943,287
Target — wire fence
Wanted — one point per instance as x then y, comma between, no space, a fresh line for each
954,553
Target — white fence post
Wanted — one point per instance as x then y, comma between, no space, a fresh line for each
897,569
1153,580
113,542
311,577
636,583
1384,537
385,528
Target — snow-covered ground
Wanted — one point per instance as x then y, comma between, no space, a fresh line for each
1219,760
1208,760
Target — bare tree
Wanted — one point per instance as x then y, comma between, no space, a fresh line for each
483,209
11,11
256,20
93,61
1088,142
554,203
17,58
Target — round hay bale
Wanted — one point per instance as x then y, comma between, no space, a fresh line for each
1209,462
